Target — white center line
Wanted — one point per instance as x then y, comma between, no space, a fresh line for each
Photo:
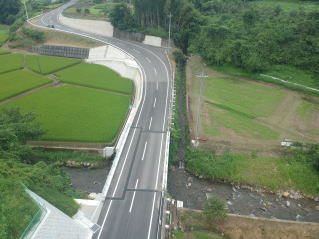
157,85
144,151
133,197
155,71
148,59
149,127
154,103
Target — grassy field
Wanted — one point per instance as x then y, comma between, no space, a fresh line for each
48,64
243,115
17,82
4,52
235,104
70,113
96,76
10,62
287,73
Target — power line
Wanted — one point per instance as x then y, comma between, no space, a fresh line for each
201,76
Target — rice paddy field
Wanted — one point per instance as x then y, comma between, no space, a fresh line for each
17,82
96,76
71,113
49,64
87,103
11,62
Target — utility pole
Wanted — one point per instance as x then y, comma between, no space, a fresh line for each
202,76
169,31
26,11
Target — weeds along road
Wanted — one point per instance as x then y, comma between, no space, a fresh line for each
133,205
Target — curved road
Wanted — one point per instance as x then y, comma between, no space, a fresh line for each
133,206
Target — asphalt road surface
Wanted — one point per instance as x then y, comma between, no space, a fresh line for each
133,205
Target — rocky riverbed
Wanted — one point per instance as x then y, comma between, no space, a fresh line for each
244,201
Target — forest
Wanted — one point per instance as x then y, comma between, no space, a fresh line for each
247,34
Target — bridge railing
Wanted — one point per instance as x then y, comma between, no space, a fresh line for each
37,218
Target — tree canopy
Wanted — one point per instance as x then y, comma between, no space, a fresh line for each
8,10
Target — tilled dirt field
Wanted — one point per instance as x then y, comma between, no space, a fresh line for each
239,201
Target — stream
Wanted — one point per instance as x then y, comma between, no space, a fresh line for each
194,192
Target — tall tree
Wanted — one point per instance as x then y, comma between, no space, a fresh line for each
8,10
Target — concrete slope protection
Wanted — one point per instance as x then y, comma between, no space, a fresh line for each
133,203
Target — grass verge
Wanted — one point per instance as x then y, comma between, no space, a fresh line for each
270,173
17,82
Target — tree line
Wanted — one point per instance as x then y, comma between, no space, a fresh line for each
237,32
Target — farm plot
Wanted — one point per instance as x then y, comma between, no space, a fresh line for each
10,62
71,113
243,115
49,64
17,82
96,76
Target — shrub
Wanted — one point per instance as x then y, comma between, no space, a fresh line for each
214,209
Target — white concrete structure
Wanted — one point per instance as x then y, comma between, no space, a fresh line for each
56,224
153,41
102,28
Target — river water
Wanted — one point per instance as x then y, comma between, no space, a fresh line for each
194,191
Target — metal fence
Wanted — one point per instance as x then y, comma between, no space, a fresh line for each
37,218
63,51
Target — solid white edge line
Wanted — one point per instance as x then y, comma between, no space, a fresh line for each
157,175
133,197
144,151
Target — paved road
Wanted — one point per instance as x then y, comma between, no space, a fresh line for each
133,205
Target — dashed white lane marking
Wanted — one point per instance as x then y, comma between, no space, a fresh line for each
144,151
148,59
149,127
154,103
133,197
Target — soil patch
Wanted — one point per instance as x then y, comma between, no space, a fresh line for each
239,227
89,180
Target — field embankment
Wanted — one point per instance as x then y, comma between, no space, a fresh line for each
236,227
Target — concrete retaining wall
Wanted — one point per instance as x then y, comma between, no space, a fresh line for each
102,28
